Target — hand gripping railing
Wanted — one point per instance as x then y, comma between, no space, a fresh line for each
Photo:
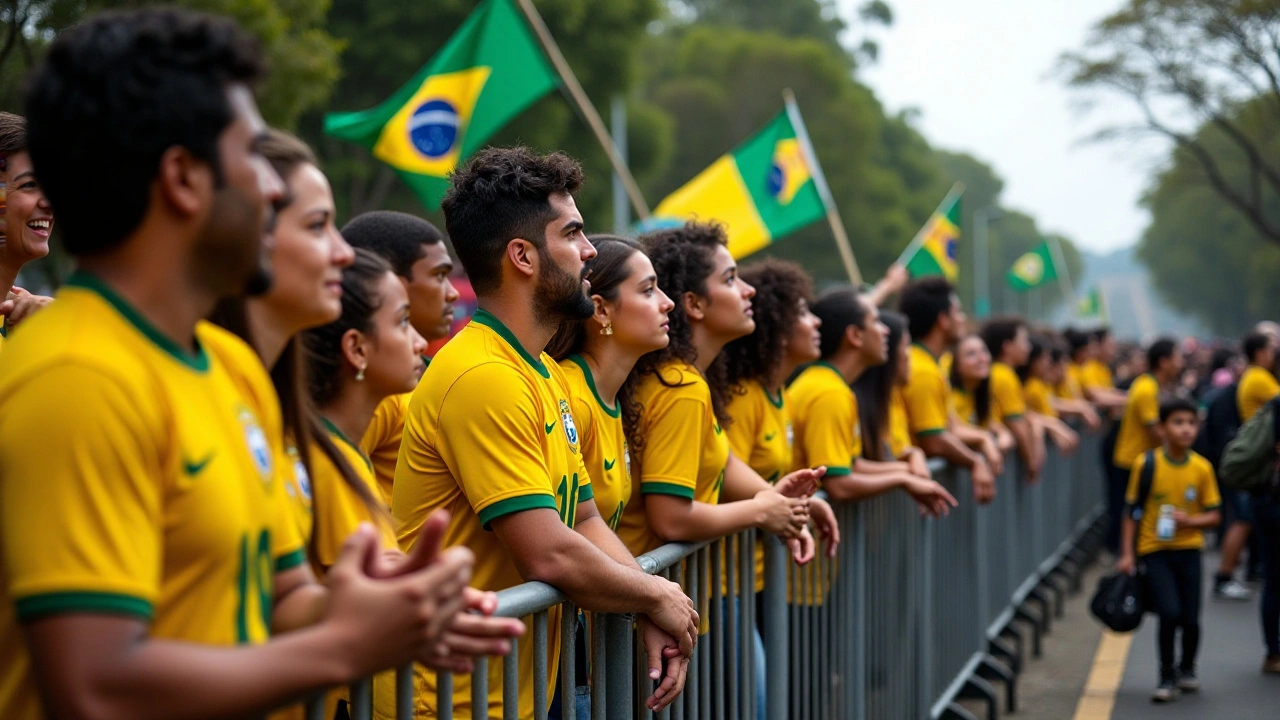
911,614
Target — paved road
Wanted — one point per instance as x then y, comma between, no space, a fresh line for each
1229,668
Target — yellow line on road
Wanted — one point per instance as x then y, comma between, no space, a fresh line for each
1099,696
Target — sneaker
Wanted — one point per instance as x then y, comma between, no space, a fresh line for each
1271,665
1233,591
1188,682
1167,692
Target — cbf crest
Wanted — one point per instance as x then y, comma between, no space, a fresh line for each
256,441
570,430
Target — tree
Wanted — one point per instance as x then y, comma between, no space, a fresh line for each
1189,63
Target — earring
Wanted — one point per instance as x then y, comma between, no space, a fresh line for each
607,329
360,374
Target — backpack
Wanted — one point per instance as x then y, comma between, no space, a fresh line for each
1221,423
1248,462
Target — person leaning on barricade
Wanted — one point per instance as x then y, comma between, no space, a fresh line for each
935,321
29,216
490,433
1009,342
148,554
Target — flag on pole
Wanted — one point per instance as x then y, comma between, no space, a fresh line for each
1033,269
489,72
1092,306
761,191
936,252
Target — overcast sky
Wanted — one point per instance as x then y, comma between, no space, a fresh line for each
980,72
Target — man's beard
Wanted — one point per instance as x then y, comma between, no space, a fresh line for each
558,296
226,261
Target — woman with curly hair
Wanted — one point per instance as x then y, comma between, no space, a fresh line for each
597,354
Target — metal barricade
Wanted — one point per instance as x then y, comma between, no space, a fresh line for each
897,625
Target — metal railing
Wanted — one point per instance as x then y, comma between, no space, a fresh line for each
912,614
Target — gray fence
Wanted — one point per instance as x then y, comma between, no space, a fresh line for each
912,614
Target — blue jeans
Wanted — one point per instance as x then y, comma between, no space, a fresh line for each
1266,523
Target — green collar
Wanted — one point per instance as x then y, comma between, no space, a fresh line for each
581,362
936,358
333,430
776,403
486,318
1171,461
199,361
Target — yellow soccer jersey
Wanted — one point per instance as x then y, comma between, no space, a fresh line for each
761,435
927,394
337,509
136,478
962,401
1007,399
381,442
490,432
1069,388
1257,386
1141,411
1039,397
685,448
1188,486
604,444
899,430
826,420
1095,374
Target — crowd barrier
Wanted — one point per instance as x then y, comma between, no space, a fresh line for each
912,614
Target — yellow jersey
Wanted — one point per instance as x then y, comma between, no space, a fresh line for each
604,444
136,478
899,429
685,450
337,509
381,441
1257,386
1188,486
1095,374
966,409
1141,411
1069,388
826,420
1007,399
489,432
1039,397
927,394
761,434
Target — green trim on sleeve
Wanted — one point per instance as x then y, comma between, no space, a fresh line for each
931,431
1211,508
663,488
838,472
586,493
59,603
290,561
1014,416
515,505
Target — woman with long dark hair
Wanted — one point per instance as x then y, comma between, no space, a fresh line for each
1036,377
971,395
882,415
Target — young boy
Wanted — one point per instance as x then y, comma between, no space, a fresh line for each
1168,521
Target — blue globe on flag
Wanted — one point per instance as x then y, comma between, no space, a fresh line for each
433,128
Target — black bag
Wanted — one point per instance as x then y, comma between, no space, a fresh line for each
1121,599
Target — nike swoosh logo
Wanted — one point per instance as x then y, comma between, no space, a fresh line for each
608,464
551,427
194,468
770,436
718,431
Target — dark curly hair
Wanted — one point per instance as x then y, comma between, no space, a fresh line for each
981,392
360,301
683,260
499,195
874,389
608,271
400,238
113,95
780,288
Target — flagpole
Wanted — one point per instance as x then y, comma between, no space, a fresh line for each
1064,275
578,98
824,191
956,190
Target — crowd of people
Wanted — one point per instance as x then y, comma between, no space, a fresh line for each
229,479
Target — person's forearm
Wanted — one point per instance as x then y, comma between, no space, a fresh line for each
876,467
740,481
857,486
1024,433
301,608
693,521
597,531
1109,398
1127,530
947,446
591,578
1066,406
973,437
168,679
1203,521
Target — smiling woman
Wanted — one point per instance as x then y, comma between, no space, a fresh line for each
29,218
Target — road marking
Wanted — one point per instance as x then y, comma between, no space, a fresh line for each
1099,697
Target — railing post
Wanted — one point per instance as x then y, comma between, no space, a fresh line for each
775,626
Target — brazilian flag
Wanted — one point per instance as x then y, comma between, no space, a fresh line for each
489,72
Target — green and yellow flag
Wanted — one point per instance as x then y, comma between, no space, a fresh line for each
761,191
1092,306
1033,269
489,72
936,254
